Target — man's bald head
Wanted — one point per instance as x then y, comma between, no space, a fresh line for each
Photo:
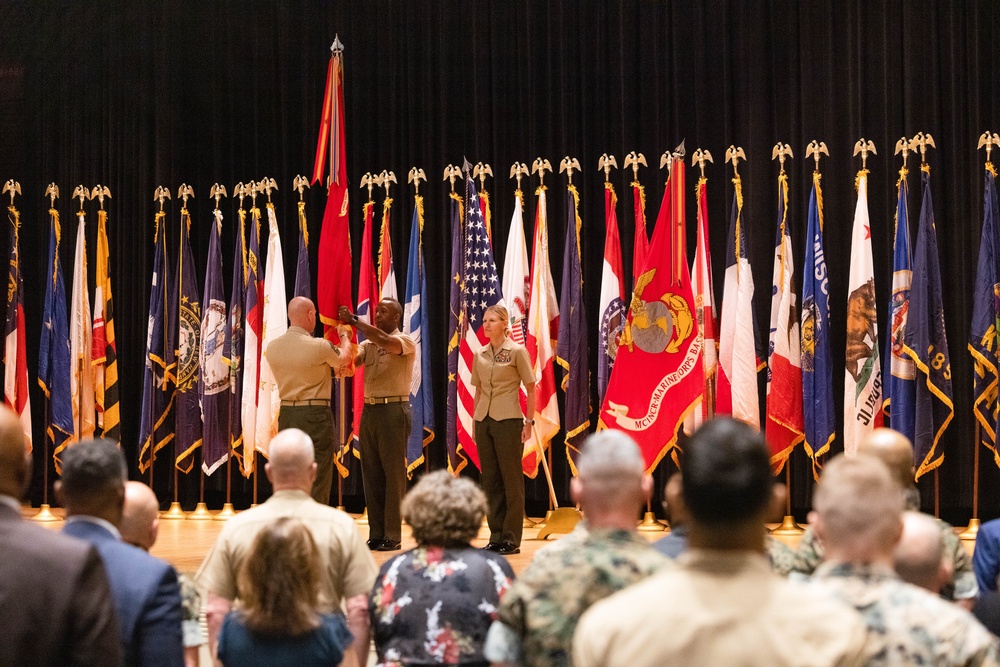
140,516
291,461
302,313
895,450
919,556
15,458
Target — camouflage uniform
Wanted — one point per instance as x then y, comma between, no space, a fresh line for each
191,607
547,599
963,585
780,555
908,625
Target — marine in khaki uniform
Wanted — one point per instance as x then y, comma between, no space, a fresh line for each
387,356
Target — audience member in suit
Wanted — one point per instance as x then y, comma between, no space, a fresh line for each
986,557
279,623
55,604
147,597
140,527
722,604
858,514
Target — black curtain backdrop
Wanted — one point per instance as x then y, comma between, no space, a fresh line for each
137,95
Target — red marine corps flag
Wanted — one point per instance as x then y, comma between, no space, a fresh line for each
658,378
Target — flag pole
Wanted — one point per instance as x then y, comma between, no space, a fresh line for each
972,529
341,417
560,519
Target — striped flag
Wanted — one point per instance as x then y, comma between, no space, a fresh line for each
303,283
926,341
899,378
157,388
703,289
543,326
15,357
458,433
368,291
517,275
737,386
863,377
817,365
416,324
213,375
253,326
105,350
784,427
81,376
480,289
572,351
612,304
275,323
186,346
657,377
386,272
986,319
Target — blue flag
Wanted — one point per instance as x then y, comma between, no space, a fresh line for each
186,337
455,459
416,324
572,351
157,398
899,385
817,366
54,355
303,284
926,342
213,376
983,332
233,351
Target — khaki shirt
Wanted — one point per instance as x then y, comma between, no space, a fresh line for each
387,374
497,375
348,568
719,608
301,365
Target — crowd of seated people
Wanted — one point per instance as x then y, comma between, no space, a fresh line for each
291,582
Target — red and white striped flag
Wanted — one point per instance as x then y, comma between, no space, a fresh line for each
543,327
703,289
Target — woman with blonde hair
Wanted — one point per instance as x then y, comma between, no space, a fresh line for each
498,371
434,604
277,622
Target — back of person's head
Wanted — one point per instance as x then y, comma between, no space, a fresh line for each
726,474
611,473
919,556
140,516
278,582
15,457
858,509
291,460
894,450
444,510
93,478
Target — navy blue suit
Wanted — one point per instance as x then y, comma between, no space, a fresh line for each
147,598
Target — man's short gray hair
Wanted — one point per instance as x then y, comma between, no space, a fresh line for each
610,464
92,467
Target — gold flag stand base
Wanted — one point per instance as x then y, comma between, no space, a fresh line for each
363,519
528,523
649,524
45,515
971,530
200,513
228,512
561,520
788,527
175,513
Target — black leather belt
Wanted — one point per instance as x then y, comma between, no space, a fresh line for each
386,399
308,401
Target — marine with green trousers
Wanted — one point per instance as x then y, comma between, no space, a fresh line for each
302,369
387,356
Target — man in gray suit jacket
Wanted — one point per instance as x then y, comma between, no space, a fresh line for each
146,594
55,604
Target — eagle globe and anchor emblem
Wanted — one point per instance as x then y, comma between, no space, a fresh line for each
657,326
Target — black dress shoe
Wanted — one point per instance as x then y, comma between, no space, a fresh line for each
373,545
492,546
388,545
508,548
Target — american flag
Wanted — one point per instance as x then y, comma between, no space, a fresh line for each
480,289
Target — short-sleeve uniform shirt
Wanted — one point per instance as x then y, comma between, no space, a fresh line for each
497,374
301,365
387,374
